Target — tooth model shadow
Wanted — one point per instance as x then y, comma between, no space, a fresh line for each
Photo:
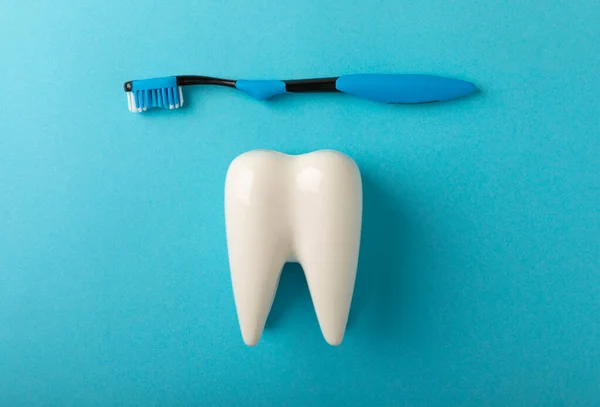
281,208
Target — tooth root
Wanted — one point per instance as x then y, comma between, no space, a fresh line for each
255,277
331,284
329,204
256,240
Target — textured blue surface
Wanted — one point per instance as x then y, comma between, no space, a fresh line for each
479,280
261,89
403,88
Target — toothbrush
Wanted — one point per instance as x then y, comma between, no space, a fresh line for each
167,92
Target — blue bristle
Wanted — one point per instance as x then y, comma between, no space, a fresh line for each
170,95
157,92
176,94
165,98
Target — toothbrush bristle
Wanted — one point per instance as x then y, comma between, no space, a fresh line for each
154,93
166,98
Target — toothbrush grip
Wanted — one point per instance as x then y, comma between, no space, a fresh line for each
261,89
403,88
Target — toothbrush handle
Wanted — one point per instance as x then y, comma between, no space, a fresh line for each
389,88
403,88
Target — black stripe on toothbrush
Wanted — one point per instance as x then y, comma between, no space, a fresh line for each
311,85
185,80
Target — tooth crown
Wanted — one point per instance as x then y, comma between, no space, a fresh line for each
281,208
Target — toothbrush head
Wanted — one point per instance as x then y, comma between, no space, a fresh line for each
157,92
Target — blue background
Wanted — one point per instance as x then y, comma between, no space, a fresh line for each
478,283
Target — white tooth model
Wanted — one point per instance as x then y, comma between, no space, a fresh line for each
282,208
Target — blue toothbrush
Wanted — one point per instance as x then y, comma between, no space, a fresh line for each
389,88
